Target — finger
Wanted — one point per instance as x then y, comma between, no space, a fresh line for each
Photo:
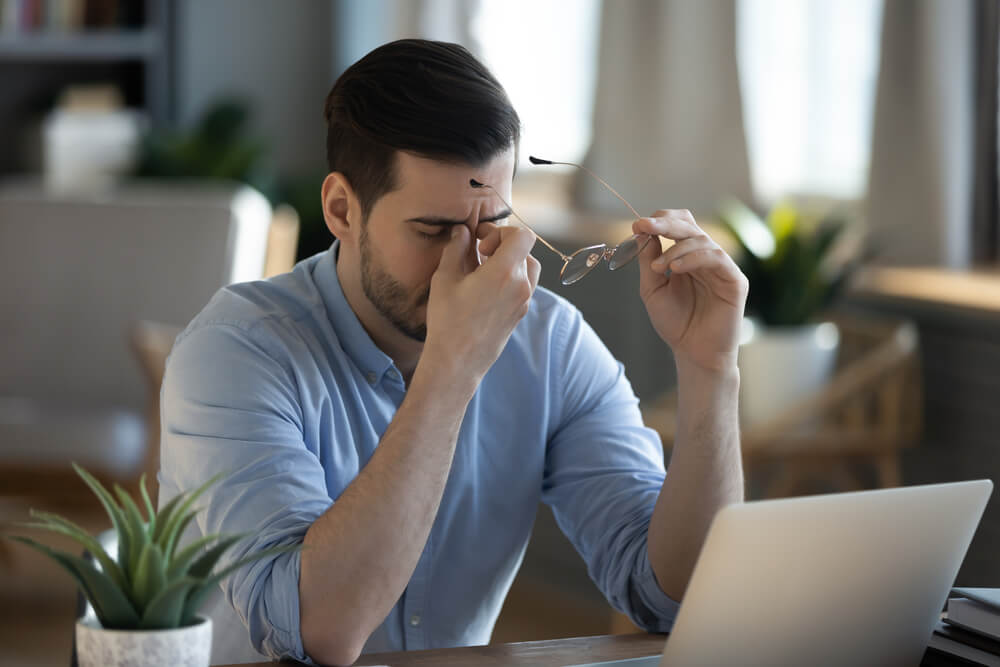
534,271
662,263
484,229
455,257
649,279
514,246
714,259
674,224
490,240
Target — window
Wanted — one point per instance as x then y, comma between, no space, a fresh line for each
807,75
544,52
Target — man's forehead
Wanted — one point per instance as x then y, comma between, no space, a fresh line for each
414,171
442,188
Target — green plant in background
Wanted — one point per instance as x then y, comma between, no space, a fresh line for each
797,262
220,146
152,584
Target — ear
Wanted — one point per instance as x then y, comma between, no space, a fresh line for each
341,208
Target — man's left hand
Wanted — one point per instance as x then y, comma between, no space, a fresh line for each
697,308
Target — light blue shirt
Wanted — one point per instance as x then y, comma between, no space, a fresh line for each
276,384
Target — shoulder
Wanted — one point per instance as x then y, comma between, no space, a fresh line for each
550,330
549,311
266,312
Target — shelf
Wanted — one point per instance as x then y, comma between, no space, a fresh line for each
95,46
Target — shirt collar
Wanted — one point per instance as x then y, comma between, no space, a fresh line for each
355,341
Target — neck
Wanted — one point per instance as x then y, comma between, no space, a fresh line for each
403,350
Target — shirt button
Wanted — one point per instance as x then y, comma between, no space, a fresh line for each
394,374
415,620
370,376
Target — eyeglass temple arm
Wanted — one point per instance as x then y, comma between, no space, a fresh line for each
538,160
476,184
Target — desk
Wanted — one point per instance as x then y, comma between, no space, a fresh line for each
550,653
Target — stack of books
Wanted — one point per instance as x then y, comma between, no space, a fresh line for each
970,626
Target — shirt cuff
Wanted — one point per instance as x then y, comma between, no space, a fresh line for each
280,642
652,609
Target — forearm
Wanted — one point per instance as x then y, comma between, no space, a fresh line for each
359,555
706,473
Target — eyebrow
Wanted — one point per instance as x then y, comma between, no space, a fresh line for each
447,222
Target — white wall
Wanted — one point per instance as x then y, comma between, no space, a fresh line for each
275,54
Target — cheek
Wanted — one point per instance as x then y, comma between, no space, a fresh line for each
417,267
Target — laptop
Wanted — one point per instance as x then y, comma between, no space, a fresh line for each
840,579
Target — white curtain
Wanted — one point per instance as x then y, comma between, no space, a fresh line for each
360,26
921,181
668,123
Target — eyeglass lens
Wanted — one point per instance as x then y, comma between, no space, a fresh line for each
584,260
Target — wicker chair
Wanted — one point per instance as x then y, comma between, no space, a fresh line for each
869,411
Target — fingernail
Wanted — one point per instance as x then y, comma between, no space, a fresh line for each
454,231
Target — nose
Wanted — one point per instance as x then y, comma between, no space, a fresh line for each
473,224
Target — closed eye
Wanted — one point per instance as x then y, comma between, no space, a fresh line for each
439,232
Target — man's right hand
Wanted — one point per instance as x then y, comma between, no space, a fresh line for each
473,308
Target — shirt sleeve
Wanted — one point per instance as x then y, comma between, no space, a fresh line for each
603,474
227,406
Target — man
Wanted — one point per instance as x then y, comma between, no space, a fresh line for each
401,403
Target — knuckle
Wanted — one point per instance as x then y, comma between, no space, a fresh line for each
524,293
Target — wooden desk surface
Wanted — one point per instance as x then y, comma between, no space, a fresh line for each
550,653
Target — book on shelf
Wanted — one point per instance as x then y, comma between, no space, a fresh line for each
26,16
968,637
976,610
968,654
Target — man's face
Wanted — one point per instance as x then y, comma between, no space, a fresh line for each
407,230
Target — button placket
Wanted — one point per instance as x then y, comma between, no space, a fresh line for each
414,606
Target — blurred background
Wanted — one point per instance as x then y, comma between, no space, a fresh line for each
844,152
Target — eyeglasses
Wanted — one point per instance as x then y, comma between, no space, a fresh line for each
583,261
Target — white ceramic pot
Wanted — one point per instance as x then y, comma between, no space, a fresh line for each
782,365
190,646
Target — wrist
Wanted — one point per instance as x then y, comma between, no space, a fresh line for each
699,380
443,373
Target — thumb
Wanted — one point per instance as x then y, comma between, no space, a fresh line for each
453,259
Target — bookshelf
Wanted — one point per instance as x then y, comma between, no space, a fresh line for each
128,43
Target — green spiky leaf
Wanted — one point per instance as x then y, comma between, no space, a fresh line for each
57,524
201,591
150,575
109,601
202,567
150,586
150,510
138,535
116,515
165,610
179,516
188,560
163,518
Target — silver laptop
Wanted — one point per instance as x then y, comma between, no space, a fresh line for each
840,579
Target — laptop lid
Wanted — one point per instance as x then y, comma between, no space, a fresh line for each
840,579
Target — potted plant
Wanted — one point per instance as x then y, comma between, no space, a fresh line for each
798,262
145,597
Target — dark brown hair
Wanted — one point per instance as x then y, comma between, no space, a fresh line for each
433,99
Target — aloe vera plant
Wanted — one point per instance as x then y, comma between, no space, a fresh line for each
797,262
152,584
